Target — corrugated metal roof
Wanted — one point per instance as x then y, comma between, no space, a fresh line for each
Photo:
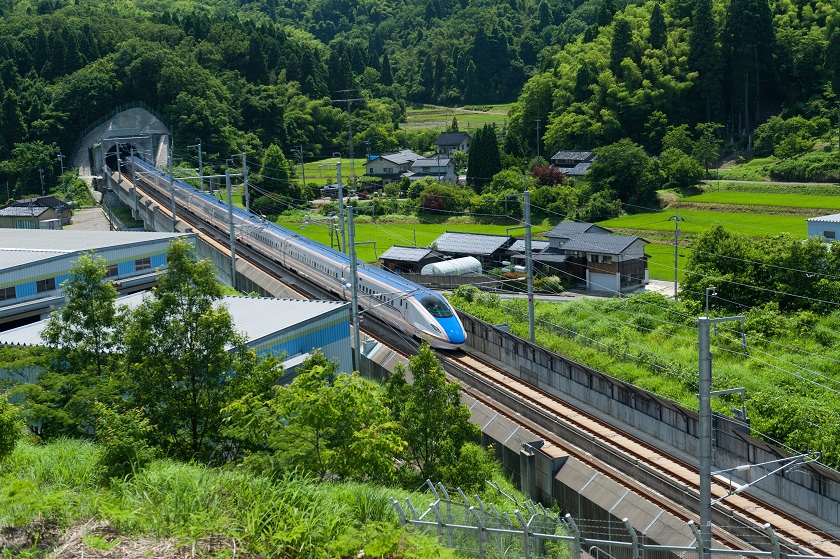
470,243
255,317
27,246
22,211
595,242
568,229
536,246
833,218
552,257
577,171
405,254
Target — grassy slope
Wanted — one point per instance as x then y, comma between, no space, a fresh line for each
435,117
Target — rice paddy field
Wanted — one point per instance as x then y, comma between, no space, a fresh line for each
469,118
752,209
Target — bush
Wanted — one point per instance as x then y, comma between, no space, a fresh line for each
816,166
601,206
123,438
10,427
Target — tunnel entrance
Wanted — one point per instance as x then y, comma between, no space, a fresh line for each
119,153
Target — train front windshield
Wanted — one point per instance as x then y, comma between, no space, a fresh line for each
437,307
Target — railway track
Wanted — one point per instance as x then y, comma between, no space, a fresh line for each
638,464
627,460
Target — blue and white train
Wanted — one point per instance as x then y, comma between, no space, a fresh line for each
411,308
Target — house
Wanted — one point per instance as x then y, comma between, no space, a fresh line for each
62,209
827,227
573,163
612,263
400,259
490,250
31,216
450,142
565,230
439,168
391,166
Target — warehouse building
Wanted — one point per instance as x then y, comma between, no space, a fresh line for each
289,327
34,263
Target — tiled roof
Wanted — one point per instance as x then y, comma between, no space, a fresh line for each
606,244
401,157
48,201
22,211
536,246
577,171
573,155
405,254
431,162
451,138
470,243
568,229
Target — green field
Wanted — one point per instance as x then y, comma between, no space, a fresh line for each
323,171
661,261
439,118
697,221
762,199
385,235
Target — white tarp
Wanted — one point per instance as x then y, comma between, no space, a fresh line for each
467,266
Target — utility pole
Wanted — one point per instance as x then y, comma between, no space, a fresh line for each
341,207
349,126
200,164
538,139
704,450
41,174
63,185
134,183
172,188
299,150
676,219
245,181
232,235
529,264
354,293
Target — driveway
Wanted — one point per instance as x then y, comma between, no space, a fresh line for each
90,219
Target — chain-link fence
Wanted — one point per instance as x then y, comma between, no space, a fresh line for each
477,529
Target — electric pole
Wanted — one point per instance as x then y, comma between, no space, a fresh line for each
41,174
63,185
529,264
538,139
676,219
299,151
200,164
341,208
232,235
172,188
245,181
354,291
349,126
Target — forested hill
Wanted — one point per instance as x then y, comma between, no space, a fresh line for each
682,62
264,72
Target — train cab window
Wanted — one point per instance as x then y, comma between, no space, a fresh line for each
437,307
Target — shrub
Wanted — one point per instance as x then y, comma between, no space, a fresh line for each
123,438
10,427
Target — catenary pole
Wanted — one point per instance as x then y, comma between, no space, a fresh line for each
172,188
245,181
529,265
354,291
232,235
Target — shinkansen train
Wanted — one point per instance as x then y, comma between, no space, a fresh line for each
408,307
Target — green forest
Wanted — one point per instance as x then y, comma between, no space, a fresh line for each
684,81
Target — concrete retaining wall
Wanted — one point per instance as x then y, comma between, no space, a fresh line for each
812,488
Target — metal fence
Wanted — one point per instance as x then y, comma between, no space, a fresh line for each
476,529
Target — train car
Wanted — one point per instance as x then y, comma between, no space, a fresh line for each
407,306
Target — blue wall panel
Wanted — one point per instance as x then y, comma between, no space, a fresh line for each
158,260
124,268
25,289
